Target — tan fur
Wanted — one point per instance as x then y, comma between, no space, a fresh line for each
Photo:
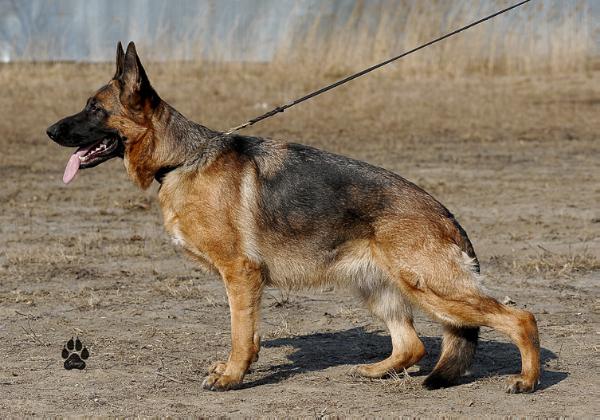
422,266
411,254
388,273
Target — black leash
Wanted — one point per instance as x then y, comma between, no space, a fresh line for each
368,70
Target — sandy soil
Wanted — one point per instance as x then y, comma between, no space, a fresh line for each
517,160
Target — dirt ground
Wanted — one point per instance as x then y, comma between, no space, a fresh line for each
516,159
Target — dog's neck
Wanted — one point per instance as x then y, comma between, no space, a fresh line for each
182,141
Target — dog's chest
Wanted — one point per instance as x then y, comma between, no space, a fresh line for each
177,232
189,243
189,224
173,228
181,233
177,236
200,215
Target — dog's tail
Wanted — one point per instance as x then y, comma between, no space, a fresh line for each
458,348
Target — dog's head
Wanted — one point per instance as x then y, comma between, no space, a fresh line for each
117,121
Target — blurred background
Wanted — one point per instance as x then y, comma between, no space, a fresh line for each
553,35
500,123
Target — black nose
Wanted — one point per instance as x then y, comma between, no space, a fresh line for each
52,132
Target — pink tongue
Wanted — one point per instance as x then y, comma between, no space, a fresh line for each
73,164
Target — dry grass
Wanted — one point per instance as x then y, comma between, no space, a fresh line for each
548,37
545,37
401,380
222,96
280,297
478,123
548,264
512,157
187,288
280,328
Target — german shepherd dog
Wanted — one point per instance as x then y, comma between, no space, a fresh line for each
264,213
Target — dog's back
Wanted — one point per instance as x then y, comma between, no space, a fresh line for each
259,212
310,204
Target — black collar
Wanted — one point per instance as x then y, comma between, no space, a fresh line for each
162,172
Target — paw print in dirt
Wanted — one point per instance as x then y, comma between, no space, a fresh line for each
75,354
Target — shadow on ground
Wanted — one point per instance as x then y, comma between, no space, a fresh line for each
319,351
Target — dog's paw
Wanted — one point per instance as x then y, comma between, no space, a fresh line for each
373,371
216,382
518,384
74,354
217,367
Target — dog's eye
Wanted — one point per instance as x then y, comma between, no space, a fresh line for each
94,108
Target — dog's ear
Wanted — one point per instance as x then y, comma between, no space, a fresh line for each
136,91
120,61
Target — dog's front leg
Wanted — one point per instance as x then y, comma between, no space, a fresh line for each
244,284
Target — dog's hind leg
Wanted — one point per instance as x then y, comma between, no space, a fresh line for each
464,315
441,280
458,348
387,303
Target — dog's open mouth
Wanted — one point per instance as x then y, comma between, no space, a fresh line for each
90,156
